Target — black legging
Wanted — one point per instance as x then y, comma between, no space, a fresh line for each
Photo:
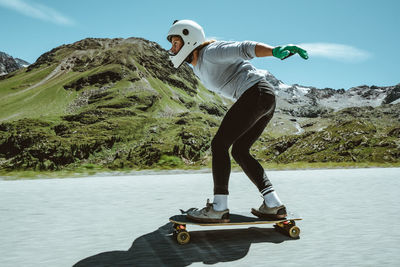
241,127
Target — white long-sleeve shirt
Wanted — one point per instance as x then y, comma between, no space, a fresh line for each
223,67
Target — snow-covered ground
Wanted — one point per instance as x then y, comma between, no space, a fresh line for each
350,99
351,218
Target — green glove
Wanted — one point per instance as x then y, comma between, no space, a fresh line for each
286,51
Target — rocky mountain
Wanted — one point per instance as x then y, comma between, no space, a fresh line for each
22,63
9,64
119,104
307,101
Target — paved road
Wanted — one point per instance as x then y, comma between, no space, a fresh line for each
351,218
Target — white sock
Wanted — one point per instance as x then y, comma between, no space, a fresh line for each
220,202
272,200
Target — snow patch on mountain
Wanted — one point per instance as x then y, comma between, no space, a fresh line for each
396,102
308,101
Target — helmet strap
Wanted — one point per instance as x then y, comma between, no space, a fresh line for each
189,58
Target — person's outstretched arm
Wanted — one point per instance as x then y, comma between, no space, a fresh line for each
281,52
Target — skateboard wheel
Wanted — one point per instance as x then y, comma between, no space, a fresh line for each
294,232
183,237
289,228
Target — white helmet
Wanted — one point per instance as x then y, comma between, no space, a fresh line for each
192,35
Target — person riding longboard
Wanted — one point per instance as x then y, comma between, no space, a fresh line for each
224,67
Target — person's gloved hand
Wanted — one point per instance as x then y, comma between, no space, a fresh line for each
286,51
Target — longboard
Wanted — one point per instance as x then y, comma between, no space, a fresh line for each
286,226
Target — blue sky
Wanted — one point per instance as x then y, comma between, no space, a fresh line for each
350,42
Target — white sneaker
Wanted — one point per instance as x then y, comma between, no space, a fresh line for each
209,215
264,212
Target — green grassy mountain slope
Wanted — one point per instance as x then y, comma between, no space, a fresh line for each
358,134
53,83
114,102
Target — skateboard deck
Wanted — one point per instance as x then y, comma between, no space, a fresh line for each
286,226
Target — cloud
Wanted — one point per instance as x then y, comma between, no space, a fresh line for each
334,51
37,11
